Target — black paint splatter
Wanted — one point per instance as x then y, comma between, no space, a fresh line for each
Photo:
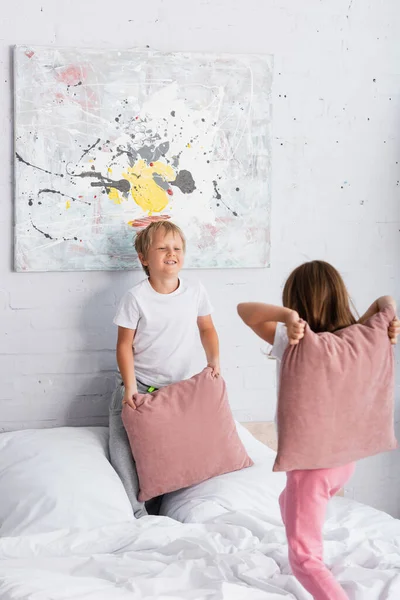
219,198
122,185
217,194
160,181
89,149
175,159
49,237
129,151
151,153
185,182
49,191
35,167
46,235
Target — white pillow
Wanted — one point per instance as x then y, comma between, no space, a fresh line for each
58,478
254,490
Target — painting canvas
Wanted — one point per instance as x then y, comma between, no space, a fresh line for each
108,141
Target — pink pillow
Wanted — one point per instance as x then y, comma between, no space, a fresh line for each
336,398
183,434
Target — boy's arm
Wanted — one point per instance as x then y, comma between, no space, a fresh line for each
210,342
378,305
262,319
126,363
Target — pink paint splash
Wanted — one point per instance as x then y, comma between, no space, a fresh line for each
88,101
72,75
145,221
97,216
210,229
209,233
76,77
77,248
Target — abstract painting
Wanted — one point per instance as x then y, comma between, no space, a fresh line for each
109,141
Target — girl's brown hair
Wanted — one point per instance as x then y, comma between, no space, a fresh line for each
144,238
317,292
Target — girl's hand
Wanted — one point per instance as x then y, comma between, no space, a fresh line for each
128,398
394,330
216,369
295,327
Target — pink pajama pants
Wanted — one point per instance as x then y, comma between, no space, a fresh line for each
303,506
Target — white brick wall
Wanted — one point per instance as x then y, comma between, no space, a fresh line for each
336,191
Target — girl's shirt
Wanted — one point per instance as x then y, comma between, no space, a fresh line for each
281,342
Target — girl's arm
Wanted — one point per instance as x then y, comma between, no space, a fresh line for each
378,305
262,319
126,363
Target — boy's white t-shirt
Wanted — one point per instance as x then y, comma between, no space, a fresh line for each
166,329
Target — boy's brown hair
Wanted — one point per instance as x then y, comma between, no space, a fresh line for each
144,238
318,293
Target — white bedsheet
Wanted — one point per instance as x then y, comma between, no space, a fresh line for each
237,556
255,489
232,546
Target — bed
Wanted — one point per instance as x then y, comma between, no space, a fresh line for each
222,539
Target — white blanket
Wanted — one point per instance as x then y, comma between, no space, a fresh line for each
236,556
229,544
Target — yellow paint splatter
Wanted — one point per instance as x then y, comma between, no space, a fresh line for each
115,196
68,204
188,145
145,191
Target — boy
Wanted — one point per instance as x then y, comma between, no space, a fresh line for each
158,318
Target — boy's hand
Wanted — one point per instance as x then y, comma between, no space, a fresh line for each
394,330
216,369
128,399
295,328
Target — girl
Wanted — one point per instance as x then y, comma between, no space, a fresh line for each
314,293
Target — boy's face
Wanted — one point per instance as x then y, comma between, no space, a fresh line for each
165,255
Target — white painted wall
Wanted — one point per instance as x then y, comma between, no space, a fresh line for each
336,194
